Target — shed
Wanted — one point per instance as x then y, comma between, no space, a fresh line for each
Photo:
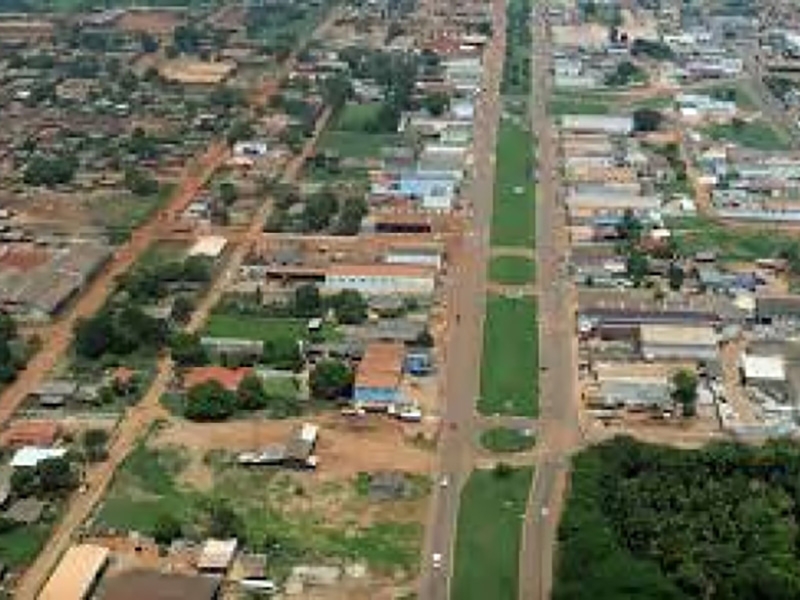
30,432
26,511
152,585
301,444
77,574
378,374
217,555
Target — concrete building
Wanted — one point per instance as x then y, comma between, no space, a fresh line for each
677,342
29,457
152,585
216,556
383,278
378,375
210,246
77,574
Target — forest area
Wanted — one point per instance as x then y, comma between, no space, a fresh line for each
645,521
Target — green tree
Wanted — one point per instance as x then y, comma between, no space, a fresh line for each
227,192
352,213
647,119
94,444
167,529
209,401
336,90
676,277
223,521
330,380
350,307
684,384
637,266
250,394
186,349
182,309
56,476
307,301
140,182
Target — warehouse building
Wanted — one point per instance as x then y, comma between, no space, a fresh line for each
383,278
678,342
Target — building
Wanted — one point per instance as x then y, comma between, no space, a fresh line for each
225,349
30,432
378,375
299,451
77,574
415,255
210,246
227,378
634,394
608,124
771,308
381,278
152,585
675,342
762,369
30,456
216,556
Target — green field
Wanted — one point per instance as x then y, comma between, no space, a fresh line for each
698,234
20,546
506,439
147,487
510,365
489,532
513,218
356,117
578,104
254,328
757,135
355,144
512,270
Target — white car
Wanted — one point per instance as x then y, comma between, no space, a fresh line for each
437,560
444,481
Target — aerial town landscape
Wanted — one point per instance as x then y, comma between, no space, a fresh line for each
400,299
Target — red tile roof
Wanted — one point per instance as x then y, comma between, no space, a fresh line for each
30,433
227,378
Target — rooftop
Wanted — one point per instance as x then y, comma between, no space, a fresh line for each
76,573
380,270
700,335
152,585
763,368
217,555
381,367
209,245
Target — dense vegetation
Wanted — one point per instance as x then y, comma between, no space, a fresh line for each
517,65
10,360
654,522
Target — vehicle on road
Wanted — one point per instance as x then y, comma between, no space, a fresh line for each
444,481
436,560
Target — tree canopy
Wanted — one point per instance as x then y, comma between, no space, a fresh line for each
330,379
649,522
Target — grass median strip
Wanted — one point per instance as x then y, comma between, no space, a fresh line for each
507,439
509,370
513,218
512,270
489,532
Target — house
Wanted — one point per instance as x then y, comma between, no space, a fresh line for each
56,393
233,350
673,342
141,584
772,308
30,432
227,378
250,148
216,556
26,511
76,576
640,393
385,278
377,381
418,361
30,456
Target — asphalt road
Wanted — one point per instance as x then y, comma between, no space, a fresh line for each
466,304
558,421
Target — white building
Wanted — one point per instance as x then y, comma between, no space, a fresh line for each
609,124
378,279
762,369
30,456
678,342
210,246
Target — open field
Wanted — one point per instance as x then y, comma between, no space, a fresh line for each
353,144
509,369
698,234
513,218
20,546
512,270
488,537
255,328
356,117
325,516
505,439
757,135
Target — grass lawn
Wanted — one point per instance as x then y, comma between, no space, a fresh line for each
758,135
255,328
513,218
20,546
356,117
578,104
510,365
512,270
352,144
488,537
123,213
148,485
697,234
506,439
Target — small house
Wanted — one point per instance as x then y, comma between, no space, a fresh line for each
216,556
